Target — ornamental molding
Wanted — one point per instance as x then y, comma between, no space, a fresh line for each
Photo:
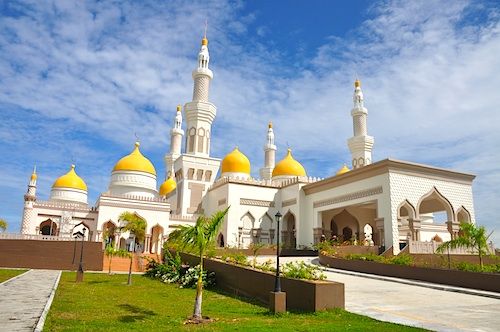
256,202
289,202
348,197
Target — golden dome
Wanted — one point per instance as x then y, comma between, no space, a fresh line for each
33,175
235,162
168,186
289,166
70,180
135,162
343,170
270,125
204,41
357,83
179,108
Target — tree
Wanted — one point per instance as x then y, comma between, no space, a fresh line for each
111,252
3,225
255,248
199,237
135,225
471,237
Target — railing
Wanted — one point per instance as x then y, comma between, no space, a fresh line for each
418,247
18,236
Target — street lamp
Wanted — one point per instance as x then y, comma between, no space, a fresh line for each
277,282
79,273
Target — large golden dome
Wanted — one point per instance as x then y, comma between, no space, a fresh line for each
70,180
168,186
289,167
235,162
135,162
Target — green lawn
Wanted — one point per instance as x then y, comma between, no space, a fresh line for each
6,274
105,303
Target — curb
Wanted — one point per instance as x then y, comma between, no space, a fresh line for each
43,316
13,278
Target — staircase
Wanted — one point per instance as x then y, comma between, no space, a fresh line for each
121,264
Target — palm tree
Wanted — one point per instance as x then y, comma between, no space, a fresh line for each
470,236
199,237
3,225
136,225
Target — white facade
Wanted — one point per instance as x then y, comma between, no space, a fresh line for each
388,202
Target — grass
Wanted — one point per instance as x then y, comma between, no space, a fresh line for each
105,303
6,274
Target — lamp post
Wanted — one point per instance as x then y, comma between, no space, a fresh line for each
277,282
79,273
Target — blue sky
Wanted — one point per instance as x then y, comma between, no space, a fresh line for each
78,79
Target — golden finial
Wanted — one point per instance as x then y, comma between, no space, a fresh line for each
204,41
357,83
33,175
270,125
73,166
179,108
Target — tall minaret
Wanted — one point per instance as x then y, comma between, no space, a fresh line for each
29,199
200,113
269,155
175,142
360,144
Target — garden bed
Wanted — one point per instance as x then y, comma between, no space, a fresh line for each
303,295
475,280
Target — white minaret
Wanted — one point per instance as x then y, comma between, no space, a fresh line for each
200,113
176,134
29,199
360,144
269,155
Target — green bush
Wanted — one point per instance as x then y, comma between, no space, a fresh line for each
325,248
367,257
267,266
301,270
402,259
235,258
471,267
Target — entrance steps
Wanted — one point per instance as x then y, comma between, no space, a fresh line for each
121,264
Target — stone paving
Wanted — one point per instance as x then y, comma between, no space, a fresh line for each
414,305
23,299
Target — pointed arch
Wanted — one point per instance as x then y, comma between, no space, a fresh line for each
434,201
463,215
79,228
48,227
266,222
406,210
156,240
247,220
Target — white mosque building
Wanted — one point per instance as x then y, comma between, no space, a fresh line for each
385,202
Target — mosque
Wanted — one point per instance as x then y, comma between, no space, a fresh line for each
386,203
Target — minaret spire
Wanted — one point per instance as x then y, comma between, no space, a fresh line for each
360,144
269,154
176,134
29,199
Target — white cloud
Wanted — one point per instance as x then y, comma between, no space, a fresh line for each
80,79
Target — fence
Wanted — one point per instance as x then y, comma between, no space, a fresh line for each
418,247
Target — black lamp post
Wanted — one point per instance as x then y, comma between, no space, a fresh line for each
277,282
79,273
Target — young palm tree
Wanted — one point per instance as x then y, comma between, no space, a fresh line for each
3,225
199,237
471,237
136,225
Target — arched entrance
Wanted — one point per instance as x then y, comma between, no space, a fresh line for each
434,204
408,225
108,233
156,239
220,240
245,230
82,228
289,231
48,227
348,224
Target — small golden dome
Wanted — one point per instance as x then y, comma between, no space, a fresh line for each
343,170
33,175
204,41
289,166
270,125
135,162
357,83
168,186
179,108
70,180
235,162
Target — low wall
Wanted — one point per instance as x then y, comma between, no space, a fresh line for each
303,295
347,250
481,281
441,260
268,251
52,255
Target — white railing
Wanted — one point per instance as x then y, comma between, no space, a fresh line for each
418,247
18,236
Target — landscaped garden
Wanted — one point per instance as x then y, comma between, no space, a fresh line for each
6,274
106,303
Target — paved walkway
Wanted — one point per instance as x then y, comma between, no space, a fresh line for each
414,305
23,299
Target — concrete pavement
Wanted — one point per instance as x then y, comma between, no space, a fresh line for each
414,304
25,300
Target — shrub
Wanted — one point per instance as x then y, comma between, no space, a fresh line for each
402,259
235,258
367,257
301,270
267,266
325,248
471,267
190,278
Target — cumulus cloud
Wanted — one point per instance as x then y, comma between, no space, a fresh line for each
78,80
